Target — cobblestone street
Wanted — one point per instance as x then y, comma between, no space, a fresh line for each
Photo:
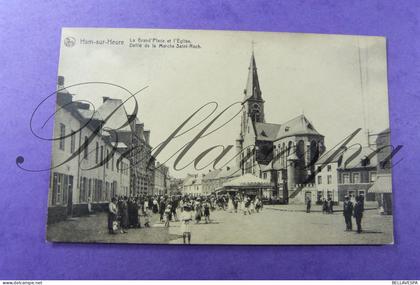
280,224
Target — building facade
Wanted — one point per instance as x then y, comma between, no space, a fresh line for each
78,179
136,139
161,179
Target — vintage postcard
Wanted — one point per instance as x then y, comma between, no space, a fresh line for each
220,137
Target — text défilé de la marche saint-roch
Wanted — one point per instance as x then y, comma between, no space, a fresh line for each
143,43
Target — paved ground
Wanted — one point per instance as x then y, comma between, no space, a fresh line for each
287,224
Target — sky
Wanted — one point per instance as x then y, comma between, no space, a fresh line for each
339,82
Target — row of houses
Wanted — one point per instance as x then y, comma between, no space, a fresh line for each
95,159
208,183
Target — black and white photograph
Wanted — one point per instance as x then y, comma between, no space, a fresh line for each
220,137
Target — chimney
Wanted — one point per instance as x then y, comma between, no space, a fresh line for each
104,99
60,81
63,96
147,136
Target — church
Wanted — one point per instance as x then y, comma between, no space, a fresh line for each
283,153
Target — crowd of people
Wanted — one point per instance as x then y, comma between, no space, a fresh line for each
133,212
130,212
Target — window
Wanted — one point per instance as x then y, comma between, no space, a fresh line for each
329,179
346,178
328,167
97,152
319,179
265,175
83,189
72,141
372,176
107,161
102,153
61,184
86,150
106,191
62,135
356,177
112,163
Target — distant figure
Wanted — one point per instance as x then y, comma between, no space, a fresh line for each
123,212
155,208
89,201
324,206
347,213
198,212
330,209
186,219
146,211
206,206
358,213
112,216
308,204
162,207
168,214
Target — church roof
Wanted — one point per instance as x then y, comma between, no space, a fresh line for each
267,131
297,126
253,85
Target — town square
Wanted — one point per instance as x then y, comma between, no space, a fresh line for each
242,170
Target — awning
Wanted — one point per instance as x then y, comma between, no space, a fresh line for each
248,180
383,184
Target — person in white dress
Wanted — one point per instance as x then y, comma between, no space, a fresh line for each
186,220
230,204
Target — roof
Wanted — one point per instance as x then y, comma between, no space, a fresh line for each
267,131
193,180
383,184
355,162
229,173
253,85
90,114
117,119
212,174
248,180
297,126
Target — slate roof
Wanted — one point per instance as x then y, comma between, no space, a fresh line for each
358,162
117,119
297,126
232,172
267,131
212,175
88,114
253,85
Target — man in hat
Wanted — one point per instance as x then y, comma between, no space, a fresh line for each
358,213
348,212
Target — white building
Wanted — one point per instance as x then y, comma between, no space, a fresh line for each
77,178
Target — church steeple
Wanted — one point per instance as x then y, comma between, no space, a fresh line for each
253,102
252,90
